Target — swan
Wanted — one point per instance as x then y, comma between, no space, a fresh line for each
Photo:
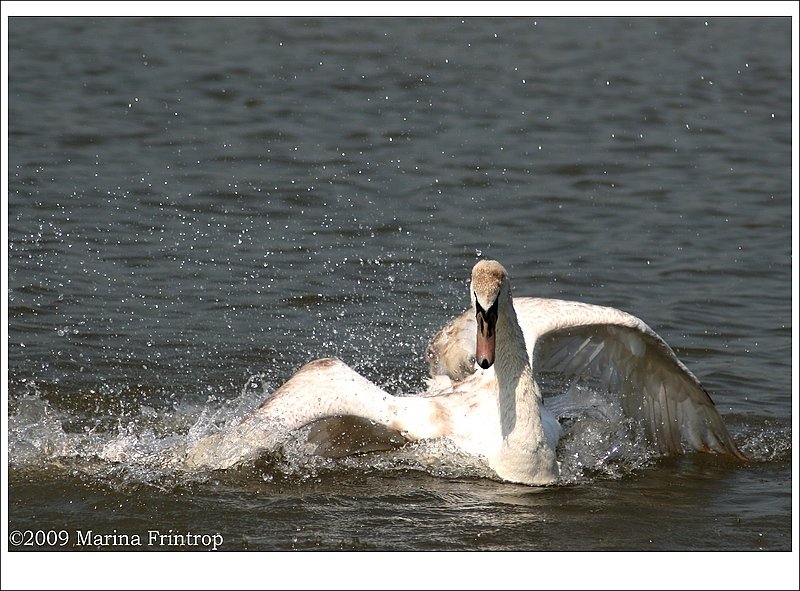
494,414
618,351
482,395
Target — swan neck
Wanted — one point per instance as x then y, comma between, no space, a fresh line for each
518,393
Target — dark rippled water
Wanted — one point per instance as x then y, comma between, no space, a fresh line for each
197,207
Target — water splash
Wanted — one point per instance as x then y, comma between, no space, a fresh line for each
146,445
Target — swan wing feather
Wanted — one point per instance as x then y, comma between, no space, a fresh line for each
619,352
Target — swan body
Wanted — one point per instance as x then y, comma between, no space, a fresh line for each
623,356
494,414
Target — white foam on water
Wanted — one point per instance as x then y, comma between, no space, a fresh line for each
147,446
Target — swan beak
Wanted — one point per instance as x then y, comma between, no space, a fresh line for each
484,347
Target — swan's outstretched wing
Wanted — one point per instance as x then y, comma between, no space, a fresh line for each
332,398
340,436
654,387
620,354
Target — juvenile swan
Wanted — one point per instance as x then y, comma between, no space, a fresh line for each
494,413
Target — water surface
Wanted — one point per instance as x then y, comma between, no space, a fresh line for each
197,207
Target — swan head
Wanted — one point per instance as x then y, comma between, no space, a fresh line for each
489,279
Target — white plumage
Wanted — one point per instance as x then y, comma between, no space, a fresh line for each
496,414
